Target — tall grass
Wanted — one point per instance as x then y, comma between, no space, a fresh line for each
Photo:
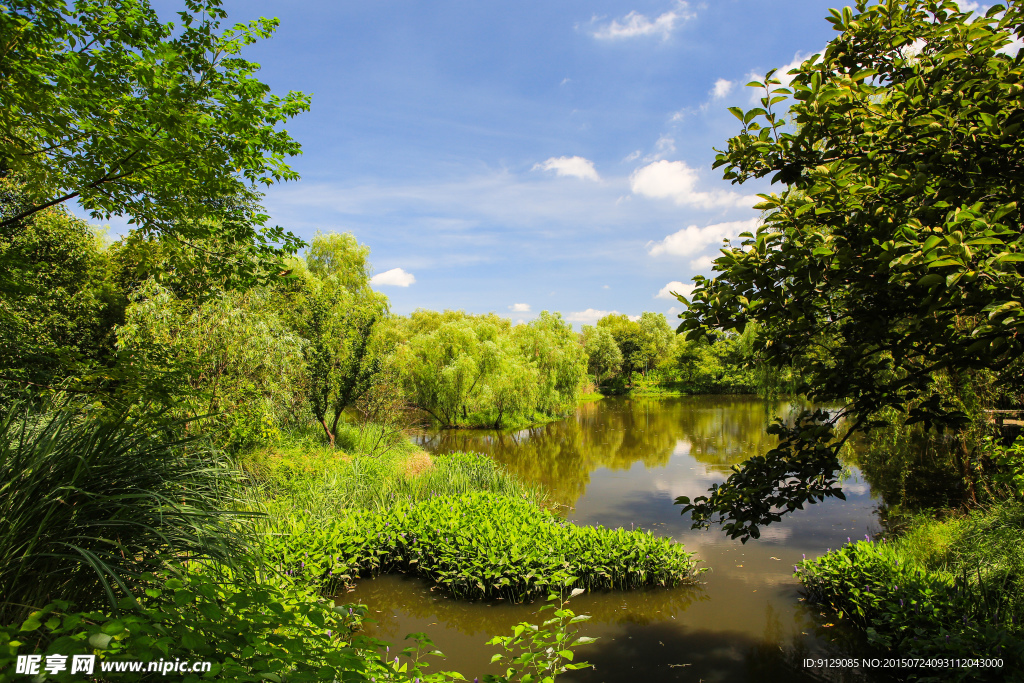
87,505
321,484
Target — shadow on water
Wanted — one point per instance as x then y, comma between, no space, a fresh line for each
622,463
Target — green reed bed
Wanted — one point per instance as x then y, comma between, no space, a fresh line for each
950,589
324,485
475,545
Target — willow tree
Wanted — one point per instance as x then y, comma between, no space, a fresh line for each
892,254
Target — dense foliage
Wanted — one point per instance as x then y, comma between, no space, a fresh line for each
945,589
481,371
105,104
59,301
88,505
891,258
475,545
643,356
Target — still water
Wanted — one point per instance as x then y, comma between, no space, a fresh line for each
621,463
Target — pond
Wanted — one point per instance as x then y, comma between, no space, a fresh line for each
622,462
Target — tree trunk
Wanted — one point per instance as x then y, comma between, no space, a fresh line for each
330,437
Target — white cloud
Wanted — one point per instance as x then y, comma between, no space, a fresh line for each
605,287
722,88
577,167
665,145
632,156
589,316
396,277
675,286
635,25
519,308
692,240
675,180
703,263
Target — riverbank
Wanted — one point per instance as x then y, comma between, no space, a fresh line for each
944,588
323,519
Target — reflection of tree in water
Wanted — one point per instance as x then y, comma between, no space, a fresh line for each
412,596
718,431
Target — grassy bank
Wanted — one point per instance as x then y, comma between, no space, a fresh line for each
950,588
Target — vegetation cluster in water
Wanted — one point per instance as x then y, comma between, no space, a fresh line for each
468,526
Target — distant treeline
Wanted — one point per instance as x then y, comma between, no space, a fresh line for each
146,319
646,355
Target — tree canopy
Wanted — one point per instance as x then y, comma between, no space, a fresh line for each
893,254
167,125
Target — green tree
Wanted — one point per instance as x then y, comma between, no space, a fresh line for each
550,345
892,257
603,355
655,338
629,338
336,312
229,357
59,301
446,368
102,103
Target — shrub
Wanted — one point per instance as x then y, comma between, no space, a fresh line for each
248,631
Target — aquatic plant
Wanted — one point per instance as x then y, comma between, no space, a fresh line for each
537,654
474,545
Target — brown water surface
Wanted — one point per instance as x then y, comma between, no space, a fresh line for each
622,462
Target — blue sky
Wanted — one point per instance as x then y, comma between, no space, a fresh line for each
524,156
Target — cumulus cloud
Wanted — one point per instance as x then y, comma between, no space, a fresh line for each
395,277
675,180
519,308
665,145
675,286
589,316
703,263
577,167
722,88
635,25
692,240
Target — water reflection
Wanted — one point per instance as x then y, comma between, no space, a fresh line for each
622,463
717,431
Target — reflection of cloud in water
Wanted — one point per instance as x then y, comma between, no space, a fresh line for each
776,533
856,488
682,447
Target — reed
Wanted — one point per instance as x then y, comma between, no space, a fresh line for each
89,504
